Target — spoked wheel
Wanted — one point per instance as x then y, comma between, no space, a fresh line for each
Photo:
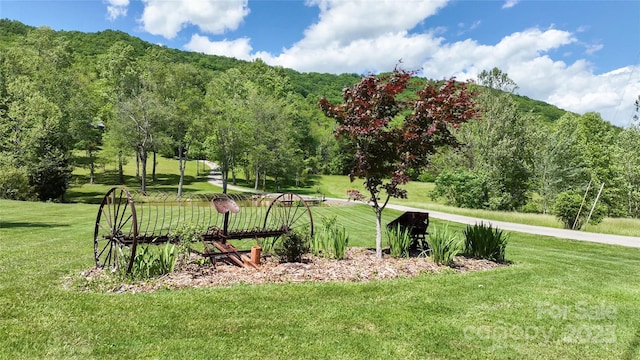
116,230
290,212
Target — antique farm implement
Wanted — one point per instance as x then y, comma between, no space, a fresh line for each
127,220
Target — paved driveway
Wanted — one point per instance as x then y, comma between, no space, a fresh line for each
629,241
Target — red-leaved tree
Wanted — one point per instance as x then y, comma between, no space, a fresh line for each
390,130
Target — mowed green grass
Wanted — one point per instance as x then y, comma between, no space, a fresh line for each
167,178
418,197
330,185
558,299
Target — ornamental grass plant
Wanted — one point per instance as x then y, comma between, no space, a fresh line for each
444,245
399,240
485,242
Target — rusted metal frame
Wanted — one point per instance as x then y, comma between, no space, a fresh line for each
283,212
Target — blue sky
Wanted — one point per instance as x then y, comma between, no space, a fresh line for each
579,55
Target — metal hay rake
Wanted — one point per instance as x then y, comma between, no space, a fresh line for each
127,220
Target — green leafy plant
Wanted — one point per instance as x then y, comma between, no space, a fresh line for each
399,240
567,206
291,246
150,261
485,242
331,241
186,234
444,245
462,188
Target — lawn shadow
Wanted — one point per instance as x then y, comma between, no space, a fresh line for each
308,187
84,197
173,179
20,224
634,346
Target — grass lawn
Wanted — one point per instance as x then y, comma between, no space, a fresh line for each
558,299
418,196
195,180
330,185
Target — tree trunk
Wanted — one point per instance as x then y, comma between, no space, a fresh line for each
182,163
120,171
247,174
143,164
137,165
153,173
255,187
225,175
378,232
92,170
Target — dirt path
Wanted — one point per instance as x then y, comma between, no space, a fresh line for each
628,241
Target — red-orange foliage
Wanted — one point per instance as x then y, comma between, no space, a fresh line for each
388,136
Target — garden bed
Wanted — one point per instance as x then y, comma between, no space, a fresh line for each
360,265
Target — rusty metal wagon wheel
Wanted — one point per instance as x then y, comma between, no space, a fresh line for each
290,212
116,230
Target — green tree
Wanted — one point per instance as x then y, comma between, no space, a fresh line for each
226,120
572,211
500,145
34,129
462,188
186,100
119,79
387,137
629,155
143,116
559,163
86,126
597,140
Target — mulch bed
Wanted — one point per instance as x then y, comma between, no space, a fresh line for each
360,265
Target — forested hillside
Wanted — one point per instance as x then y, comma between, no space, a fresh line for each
110,96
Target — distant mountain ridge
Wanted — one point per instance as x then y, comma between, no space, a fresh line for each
311,85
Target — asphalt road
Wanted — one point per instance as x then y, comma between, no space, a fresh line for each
628,241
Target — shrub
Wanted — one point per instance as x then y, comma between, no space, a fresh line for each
291,246
331,241
150,261
485,242
533,206
566,208
50,176
444,246
14,184
399,240
185,234
462,188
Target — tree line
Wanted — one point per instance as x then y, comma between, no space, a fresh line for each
117,98
515,161
124,103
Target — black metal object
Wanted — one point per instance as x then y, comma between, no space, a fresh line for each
417,224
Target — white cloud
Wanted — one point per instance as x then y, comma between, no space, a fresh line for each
168,17
363,55
344,22
360,36
524,56
116,8
379,36
611,94
239,49
591,49
510,3
467,58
